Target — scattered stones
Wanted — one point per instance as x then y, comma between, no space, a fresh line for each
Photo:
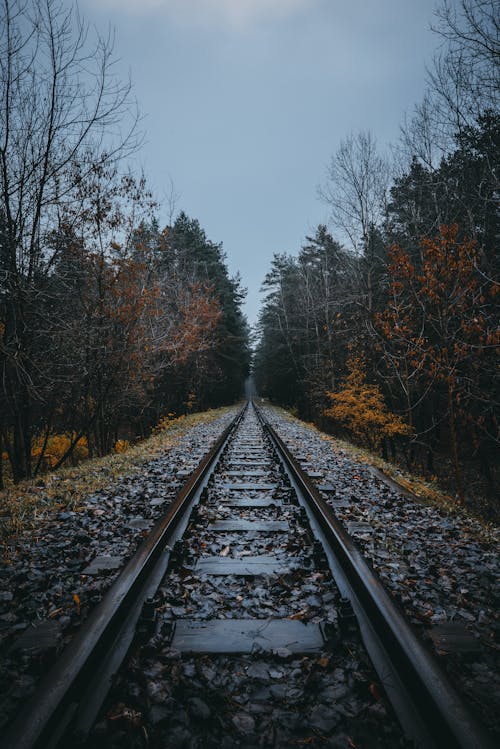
441,569
59,576
254,669
102,564
198,709
244,723
438,568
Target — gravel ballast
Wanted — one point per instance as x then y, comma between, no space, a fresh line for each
442,568
247,566
58,569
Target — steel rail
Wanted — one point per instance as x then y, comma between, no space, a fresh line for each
69,696
428,707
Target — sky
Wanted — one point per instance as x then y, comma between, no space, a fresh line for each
244,102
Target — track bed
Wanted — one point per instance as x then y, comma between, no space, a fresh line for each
247,618
246,650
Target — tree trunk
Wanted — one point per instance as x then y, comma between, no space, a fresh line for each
20,461
430,459
44,446
1,461
384,449
454,445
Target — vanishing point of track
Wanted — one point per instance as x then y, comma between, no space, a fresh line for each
68,700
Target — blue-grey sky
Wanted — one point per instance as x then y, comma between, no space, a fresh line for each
245,101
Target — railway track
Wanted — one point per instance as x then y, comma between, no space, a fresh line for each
248,573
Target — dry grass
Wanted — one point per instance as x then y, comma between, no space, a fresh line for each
27,504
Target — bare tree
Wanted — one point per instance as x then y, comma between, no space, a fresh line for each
355,188
61,107
466,75
420,138
171,200
464,79
356,191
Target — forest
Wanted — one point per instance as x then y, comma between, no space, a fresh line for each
108,322
384,327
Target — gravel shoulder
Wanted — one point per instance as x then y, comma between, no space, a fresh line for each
441,566
54,529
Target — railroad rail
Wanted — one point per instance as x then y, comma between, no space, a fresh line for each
68,700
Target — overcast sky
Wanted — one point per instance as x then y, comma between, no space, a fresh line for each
245,101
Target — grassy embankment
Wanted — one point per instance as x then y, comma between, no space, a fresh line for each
25,506
419,488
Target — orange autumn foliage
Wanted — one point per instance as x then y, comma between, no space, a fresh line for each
198,314
359,407
167,422
440,331
56,447
121,446
439,315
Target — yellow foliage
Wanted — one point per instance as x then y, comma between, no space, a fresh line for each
121,446
360,408
191,401
29,504
57,446
167,422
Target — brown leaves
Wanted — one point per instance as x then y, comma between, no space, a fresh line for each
374,691
125,716
196,314
299,614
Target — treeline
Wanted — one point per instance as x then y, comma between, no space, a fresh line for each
391,337
107,321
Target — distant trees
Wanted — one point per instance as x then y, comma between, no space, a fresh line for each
104,319
305,322
420,369
394,339
131,330
205,360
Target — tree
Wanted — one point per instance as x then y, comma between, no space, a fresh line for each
186,256
440,322
463,80
465,77
61,106
277,366
306,322
356,191
355,188
463,189
359,408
